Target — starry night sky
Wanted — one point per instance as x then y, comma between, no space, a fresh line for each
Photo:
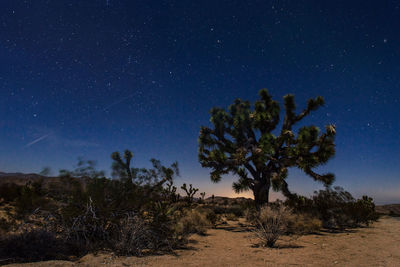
86,78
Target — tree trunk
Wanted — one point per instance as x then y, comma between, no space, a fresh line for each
261,193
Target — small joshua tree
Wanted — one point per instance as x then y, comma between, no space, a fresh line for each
242,142
83,169
122,167
155,177
190,192
203,195
171,191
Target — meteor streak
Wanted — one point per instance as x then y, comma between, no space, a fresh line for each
37,140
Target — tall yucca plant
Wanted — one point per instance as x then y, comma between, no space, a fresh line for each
241,142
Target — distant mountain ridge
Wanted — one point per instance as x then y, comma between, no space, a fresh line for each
391,209
23,178
19,174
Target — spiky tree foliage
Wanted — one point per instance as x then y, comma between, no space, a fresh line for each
154,177
121,168
83,169
170,191
242,142
190,192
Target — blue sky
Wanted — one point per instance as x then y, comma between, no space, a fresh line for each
86,78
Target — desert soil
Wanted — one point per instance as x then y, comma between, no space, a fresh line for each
232,245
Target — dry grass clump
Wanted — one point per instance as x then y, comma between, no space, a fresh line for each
250,215
271,224
300,224
231,217
194,221
133,235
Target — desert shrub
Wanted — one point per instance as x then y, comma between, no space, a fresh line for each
300,224
130,232
32,245
271,224
237,210
363,211
5,225
336,208
231,217
26,198
132,235
9,192
217,209
250,214
31,197
163,219
125,233
393,214
87,231
193,221
211,216
246,204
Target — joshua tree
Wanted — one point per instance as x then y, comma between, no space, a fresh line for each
190,192
242,142
154,177
122,168
203,195
83,169
46,171
170,191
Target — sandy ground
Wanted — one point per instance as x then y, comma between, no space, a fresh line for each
232,245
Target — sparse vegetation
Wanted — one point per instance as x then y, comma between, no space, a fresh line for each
139,211
136,212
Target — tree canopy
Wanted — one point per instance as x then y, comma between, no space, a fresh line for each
241,141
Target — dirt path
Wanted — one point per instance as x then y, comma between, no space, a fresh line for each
231,245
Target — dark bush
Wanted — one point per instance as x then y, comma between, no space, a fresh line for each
74,216
132,236
9,192
32,245
336,208
31,197
5,225
217,209
363,211
212,217
237,210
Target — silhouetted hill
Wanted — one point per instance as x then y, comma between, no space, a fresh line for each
391,209
227,200
51,183
20,178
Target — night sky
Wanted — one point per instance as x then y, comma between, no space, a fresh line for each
86,78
